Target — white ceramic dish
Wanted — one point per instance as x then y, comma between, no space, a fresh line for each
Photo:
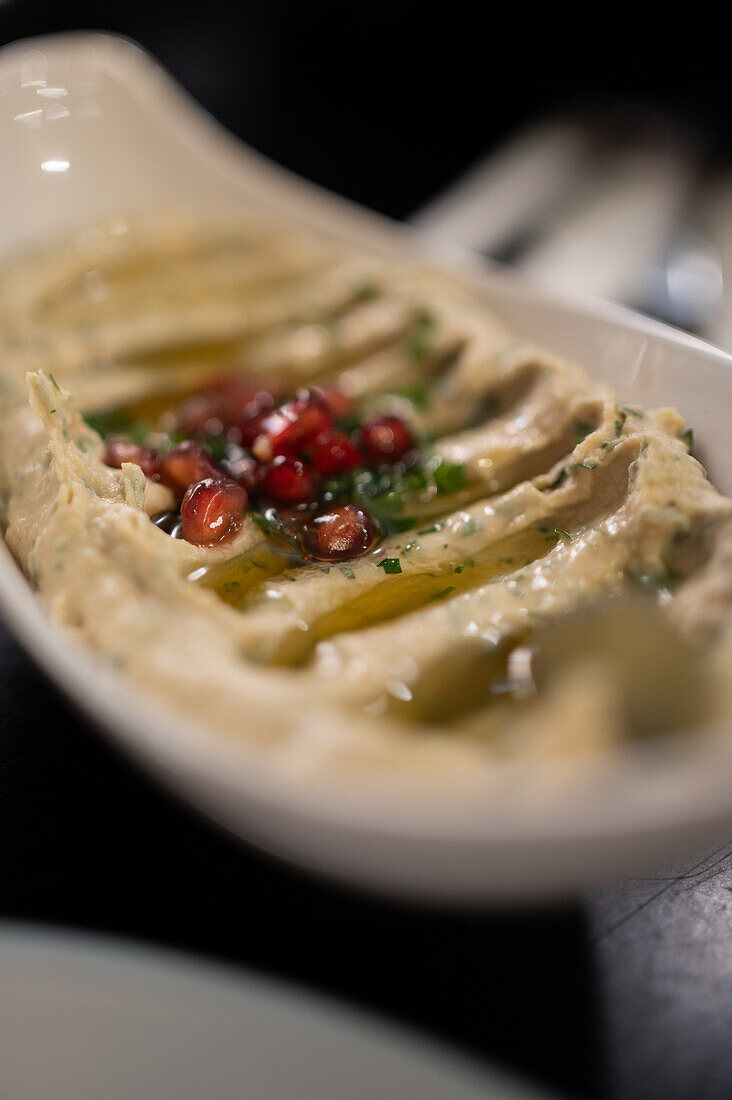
90,126
83,1017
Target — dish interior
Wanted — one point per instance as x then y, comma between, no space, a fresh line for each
646,367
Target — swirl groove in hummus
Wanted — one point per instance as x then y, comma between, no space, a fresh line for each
565,496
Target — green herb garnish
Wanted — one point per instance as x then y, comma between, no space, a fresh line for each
115,422
390,565
441,595
275,525
365,291
418,341
583,429
450,477
419,394
215,445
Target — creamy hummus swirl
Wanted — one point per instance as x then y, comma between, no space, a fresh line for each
568,497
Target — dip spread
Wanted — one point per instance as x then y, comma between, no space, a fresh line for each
326,501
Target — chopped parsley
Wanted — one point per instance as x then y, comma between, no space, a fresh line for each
441,595
365,291
633,412
276,525
388,491
559,479
347,572
216,446
583,429
420,338
419,394
562,534
116,422
450,477
390,565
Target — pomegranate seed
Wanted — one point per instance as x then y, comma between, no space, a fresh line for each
252,425
333,453
226,400
224,383
295,423
290,481
185,464
231,384
197,412
385,439
126,451
343,532
212,510
339,405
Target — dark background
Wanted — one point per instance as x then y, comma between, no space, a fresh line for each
628,994
386,102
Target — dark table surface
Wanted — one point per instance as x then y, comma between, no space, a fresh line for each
626,994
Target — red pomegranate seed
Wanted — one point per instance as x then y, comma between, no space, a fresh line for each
224,383
385,439
338,404
290,481
228,400
252,424
198,411
185,464
333,453
343,532
212,510
295,423
126,451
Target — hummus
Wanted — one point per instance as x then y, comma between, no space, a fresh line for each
538,514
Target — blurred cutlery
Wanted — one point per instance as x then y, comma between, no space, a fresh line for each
610,241
510,191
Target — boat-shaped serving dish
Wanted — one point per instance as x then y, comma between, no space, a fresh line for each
92,128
